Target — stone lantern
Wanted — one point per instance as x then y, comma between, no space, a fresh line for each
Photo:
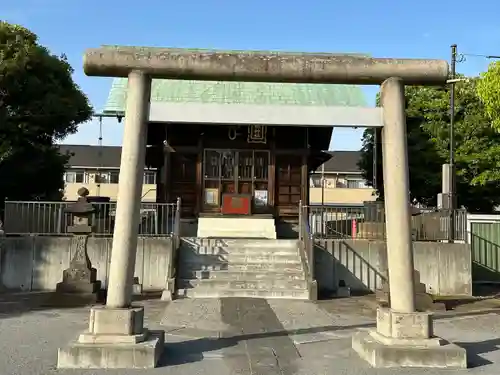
80,278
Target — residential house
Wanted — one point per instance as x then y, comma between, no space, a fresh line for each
343,184
97,168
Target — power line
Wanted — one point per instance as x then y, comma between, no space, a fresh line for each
463,56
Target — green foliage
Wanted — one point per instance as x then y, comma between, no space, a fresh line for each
488,89
477,147
39,105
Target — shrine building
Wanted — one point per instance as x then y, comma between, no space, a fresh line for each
241,149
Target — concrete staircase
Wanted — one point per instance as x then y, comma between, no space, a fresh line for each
215,268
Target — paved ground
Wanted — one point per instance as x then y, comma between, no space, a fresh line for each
239,336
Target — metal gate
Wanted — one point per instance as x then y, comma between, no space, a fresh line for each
485,248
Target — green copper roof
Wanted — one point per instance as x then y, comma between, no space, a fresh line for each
258,93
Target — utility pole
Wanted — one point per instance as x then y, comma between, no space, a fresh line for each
452,194
100,116
323,230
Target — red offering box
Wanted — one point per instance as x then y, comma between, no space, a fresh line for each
236,204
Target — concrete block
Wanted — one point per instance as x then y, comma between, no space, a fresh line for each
415,325
313,290
380,355
343,291
140,355
169,291
137,289
423,301
166,295
116,321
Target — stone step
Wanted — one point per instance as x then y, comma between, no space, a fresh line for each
240,258
203,250
202,292
242,227
238,243
215,265
267,284
242,275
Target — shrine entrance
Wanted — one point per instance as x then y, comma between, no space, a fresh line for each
242,172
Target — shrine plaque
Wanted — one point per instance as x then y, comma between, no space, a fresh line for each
236,204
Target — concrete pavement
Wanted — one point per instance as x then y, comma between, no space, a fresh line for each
237,336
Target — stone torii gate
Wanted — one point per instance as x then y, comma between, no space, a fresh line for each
403,337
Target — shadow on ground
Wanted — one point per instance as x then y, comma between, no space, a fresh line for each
14,304
474,349
195,350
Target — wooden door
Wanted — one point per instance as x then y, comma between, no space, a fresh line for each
261,184
253,177
288,184
228,171
245,172
219,177
183,180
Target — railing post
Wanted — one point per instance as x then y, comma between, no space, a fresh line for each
300,221
177,223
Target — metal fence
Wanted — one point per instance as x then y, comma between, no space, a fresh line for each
368,222
51,218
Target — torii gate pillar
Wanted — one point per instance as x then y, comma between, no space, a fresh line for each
404,337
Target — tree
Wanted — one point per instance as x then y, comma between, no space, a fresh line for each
476,150
39,105
488,89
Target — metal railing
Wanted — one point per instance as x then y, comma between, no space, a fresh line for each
306,243
368,222
174,254
51,218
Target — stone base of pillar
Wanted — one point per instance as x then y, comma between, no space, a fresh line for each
406,340
168,292
116,339
423,300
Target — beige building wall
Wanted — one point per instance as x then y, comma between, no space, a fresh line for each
342,196
107,188
340,189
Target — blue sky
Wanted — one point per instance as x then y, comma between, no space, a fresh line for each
382,28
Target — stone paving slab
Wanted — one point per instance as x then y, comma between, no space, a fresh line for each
194,317
305,321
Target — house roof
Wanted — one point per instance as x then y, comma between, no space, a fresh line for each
251,93
109,157
93,156
342,162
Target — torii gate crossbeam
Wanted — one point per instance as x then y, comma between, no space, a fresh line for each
249,66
